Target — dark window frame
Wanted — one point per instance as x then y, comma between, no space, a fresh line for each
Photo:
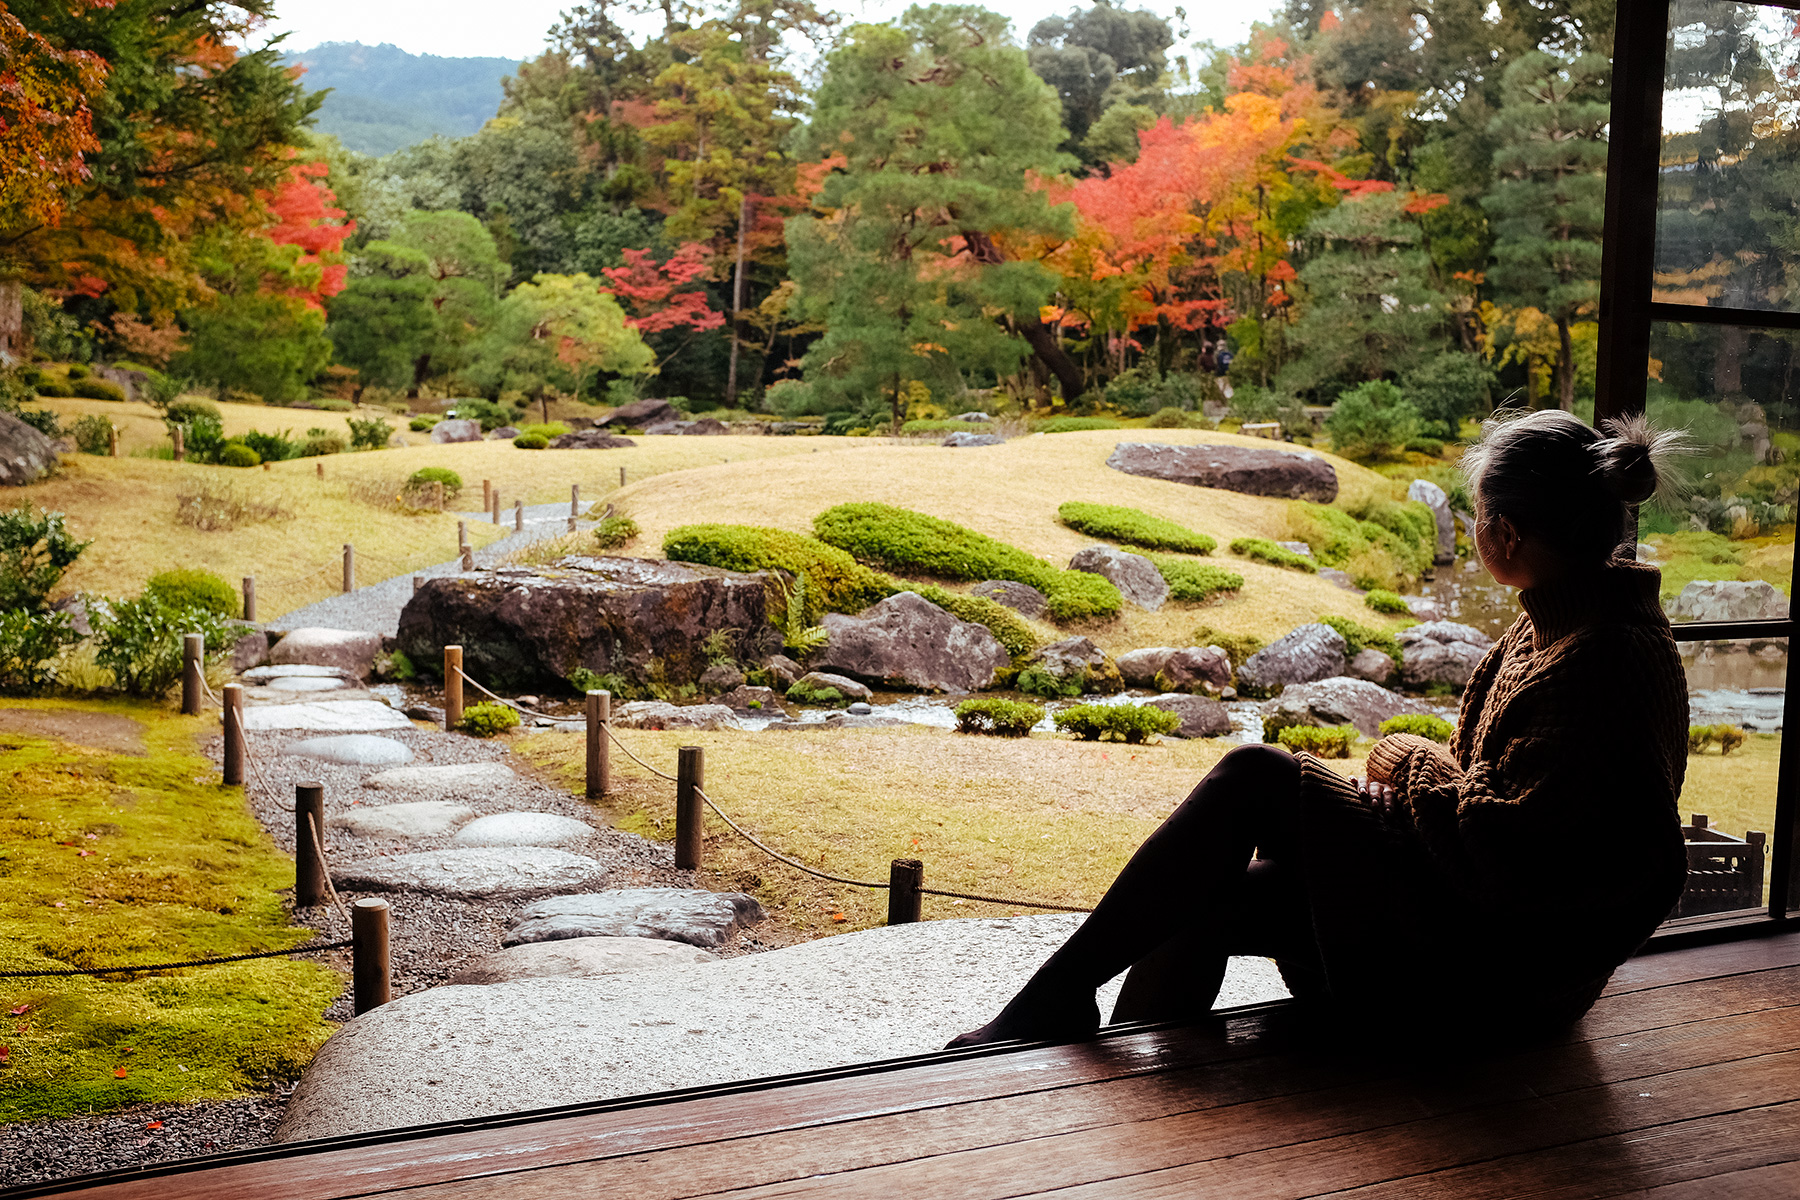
1627,312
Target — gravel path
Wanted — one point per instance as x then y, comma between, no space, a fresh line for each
376,608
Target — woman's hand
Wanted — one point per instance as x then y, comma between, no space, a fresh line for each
1380,796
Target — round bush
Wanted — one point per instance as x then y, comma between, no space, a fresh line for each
1132,723
531,441
322,444
98,389
998,718
236,454
422,422
1421,724
78,371
52,389
1386,602
1320,743
194,588
450,480
93,434
487,719
183,412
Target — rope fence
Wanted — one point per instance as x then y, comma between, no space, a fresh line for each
146,968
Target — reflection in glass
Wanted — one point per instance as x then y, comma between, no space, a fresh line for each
1726,548
1735,700
1728,217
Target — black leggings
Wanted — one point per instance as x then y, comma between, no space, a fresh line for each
1193,895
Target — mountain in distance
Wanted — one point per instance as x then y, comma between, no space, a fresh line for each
383,98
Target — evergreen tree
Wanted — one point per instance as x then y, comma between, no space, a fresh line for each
1549,201
1107,66
382,322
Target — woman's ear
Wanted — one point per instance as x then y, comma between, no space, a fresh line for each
1506,536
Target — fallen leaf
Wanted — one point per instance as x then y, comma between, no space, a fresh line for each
154,1125
59,904
838,916
120,1072
93,837
85,853
5,1053
21,1010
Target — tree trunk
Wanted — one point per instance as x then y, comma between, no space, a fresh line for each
544,406
12,320
737,304
1728,367
421,368
1565,367
1043,344
896,404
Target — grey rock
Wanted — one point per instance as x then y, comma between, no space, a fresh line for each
132,381
659,714
295,670
1022,598
524,829
1196,667
817,681
352,750
1434,497
1077,663
1372,665
1252,470
342,716
248,651
1135,576
971,416
590,439
1201,717
1343,701
1300,548
1440,652
456,429
699,918
473,871
860,709
425,712
960,438
705,427
25,454
721,677
351,651
745,698
784,669
1728,600
304,683
456,1053
649,620
1423,608
1310,652
77,609
665,428
578,958
907,641
421,818
505,433
1139,668
640,413
1339,578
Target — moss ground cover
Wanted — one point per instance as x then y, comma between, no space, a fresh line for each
118,845
1133,527
1690,555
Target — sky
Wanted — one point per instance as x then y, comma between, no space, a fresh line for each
515,29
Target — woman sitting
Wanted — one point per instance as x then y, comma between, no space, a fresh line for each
1493,886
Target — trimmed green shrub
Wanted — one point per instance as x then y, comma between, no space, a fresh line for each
194,588
805,693
271,447
1006,625
615,531
235,454
913,543
1383,601
1372,420
98,389
423,422
947,427
1237,646
836,581
487,719
29,643
1174,418
1729,738
182,412
92,434
372,434
997,718
531,441
331,404
449,480
320,444
491,415
52,389
1320,743
140,641
1392,540
1360,637
1419,725
1194,582
553,429
1035,680
1267,551
1426,445
34,553
1131,723
1133,527
79,371
1076,424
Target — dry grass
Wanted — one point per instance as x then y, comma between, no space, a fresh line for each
1039,818
141,428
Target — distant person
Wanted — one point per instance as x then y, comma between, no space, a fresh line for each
1208,363
1222,360
1490,888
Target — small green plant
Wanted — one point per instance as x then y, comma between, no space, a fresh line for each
183,412
487,719
1076,424
947,427
1384,601
444,477
372,434
1174,418
797,635
235,454
1434,447
1358,637
615,531
140,641
79,371
996,717
1237,646
531,441
98,389
35,551
1419,725
423,423
1264,550
1194,582
1334,742
1729,738
29,643
317,445
1371,421
548,431
92,434
400,667
584,680
1034,680
825,697
194,588
1133,527
271,447
1130,723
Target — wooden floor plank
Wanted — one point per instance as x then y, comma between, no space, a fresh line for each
1777,1181
1706,962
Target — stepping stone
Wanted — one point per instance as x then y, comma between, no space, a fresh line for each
350,650
304,683
476,871
524,829
579,958
295,670
352,750
689,915
348,716
423,818
449,777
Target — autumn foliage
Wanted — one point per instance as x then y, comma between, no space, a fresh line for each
664,296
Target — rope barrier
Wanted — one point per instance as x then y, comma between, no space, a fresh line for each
325,868
171,966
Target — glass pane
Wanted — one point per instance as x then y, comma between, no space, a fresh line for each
1735,702
1728,217
1726,549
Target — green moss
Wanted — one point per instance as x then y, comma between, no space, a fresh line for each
1007,626
1133,527
1358,637
1267,551
825,697
176,868
836,581
1194,582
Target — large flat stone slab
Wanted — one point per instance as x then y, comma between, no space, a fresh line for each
1252,470
689,915
580,958
524,829
305,683
294,670
353,750
449,777
352,651
422,818
451,1053
475,871
350,716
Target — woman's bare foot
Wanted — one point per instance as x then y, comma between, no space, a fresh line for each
1038,1015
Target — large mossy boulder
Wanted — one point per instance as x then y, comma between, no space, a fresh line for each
906,641
1310,652
1252,470
644,619
25,454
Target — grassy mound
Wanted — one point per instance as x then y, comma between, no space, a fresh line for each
1194,582
1264,550
1133,527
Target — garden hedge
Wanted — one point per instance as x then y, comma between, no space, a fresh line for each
1133,527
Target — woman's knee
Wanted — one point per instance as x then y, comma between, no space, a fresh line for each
1258,763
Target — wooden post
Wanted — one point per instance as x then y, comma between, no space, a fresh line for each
494,506
574,501
621,476
193,651
309,858
468,559
453,698
112,440
487,494
249,597
234,734
370,971
349,567
905,877
518,516
690,779
599,747
462,536
320,468
180,448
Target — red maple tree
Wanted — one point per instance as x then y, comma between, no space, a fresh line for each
664,296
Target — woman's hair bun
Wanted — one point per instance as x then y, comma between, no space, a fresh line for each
1635,461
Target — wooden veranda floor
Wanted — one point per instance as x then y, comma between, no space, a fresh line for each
1683,1082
